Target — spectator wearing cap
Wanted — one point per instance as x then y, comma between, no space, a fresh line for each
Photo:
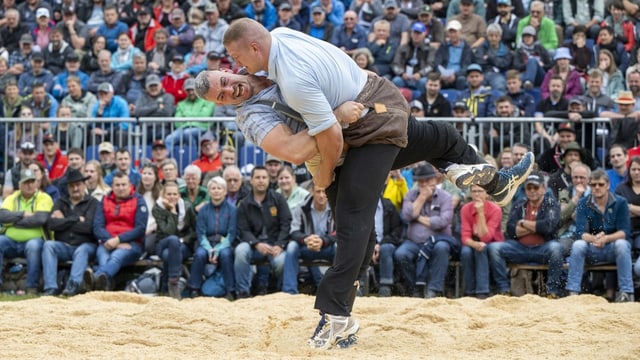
286,18
122,58
413,61
180,32
319,27
72,68
209,160
187,133
159,58
614,81
264,12
28,12
159,154
455,8
56,52
544,26
52,158
428,211
531,59
71,221
112,27
623,125
382,48
109,105
349,36
74,31
173,81
562,68
155,102
20,59
479,99
273,165
43,28
453,56
400,23
230,11
41,103
213,29
435,29
434,103
26,156
531,236
333,9
12,31
504,16
417,109
129,12
474,27
196,59
106,154
561,179
574,14
106,74
37,74
142,31
23,215
495,58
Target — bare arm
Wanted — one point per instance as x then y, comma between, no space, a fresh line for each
330,143
294,148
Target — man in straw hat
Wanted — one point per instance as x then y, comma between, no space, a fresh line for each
624,122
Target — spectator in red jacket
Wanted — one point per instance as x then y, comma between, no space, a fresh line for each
52,158
209,160
173,82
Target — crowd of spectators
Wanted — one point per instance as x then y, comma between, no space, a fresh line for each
75,59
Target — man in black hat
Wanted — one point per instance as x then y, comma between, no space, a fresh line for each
531,236
71,220
428,211
561,179
550,160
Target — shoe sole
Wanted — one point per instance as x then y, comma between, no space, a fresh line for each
514,187
478,176
344,340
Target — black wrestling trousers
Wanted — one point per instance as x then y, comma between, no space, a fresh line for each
353,197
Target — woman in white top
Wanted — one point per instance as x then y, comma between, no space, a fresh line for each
288,187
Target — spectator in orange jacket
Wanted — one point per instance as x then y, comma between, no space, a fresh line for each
209,160
142,32
52,158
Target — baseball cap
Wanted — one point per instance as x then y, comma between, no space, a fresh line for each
26,39
42,12
454,25
534,178
68,9
416,104
105,87
210,8
27,146
504,2
177,13
418,27
145,10
566,126
177,57
158,144
72,56
576,100
425,9
105,147
467,2
474,67
390,4
271,158
529,30
214,55
26,175
284,6
317,10
459,105
152,79
48,138
37,56
208,136
190,84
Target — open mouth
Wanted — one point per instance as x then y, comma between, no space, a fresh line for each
238,91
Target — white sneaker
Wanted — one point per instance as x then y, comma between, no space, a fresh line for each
334,330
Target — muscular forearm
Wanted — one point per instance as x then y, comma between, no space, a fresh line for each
294,148
330,145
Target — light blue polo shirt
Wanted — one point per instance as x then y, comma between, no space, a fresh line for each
314,76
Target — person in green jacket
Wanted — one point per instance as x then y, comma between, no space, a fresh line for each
545,27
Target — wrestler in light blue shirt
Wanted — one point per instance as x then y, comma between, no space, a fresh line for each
304,68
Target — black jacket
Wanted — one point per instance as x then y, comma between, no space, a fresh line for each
70,229
441,107
392,224
168,224
303,225
268,222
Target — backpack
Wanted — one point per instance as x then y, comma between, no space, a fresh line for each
148,283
